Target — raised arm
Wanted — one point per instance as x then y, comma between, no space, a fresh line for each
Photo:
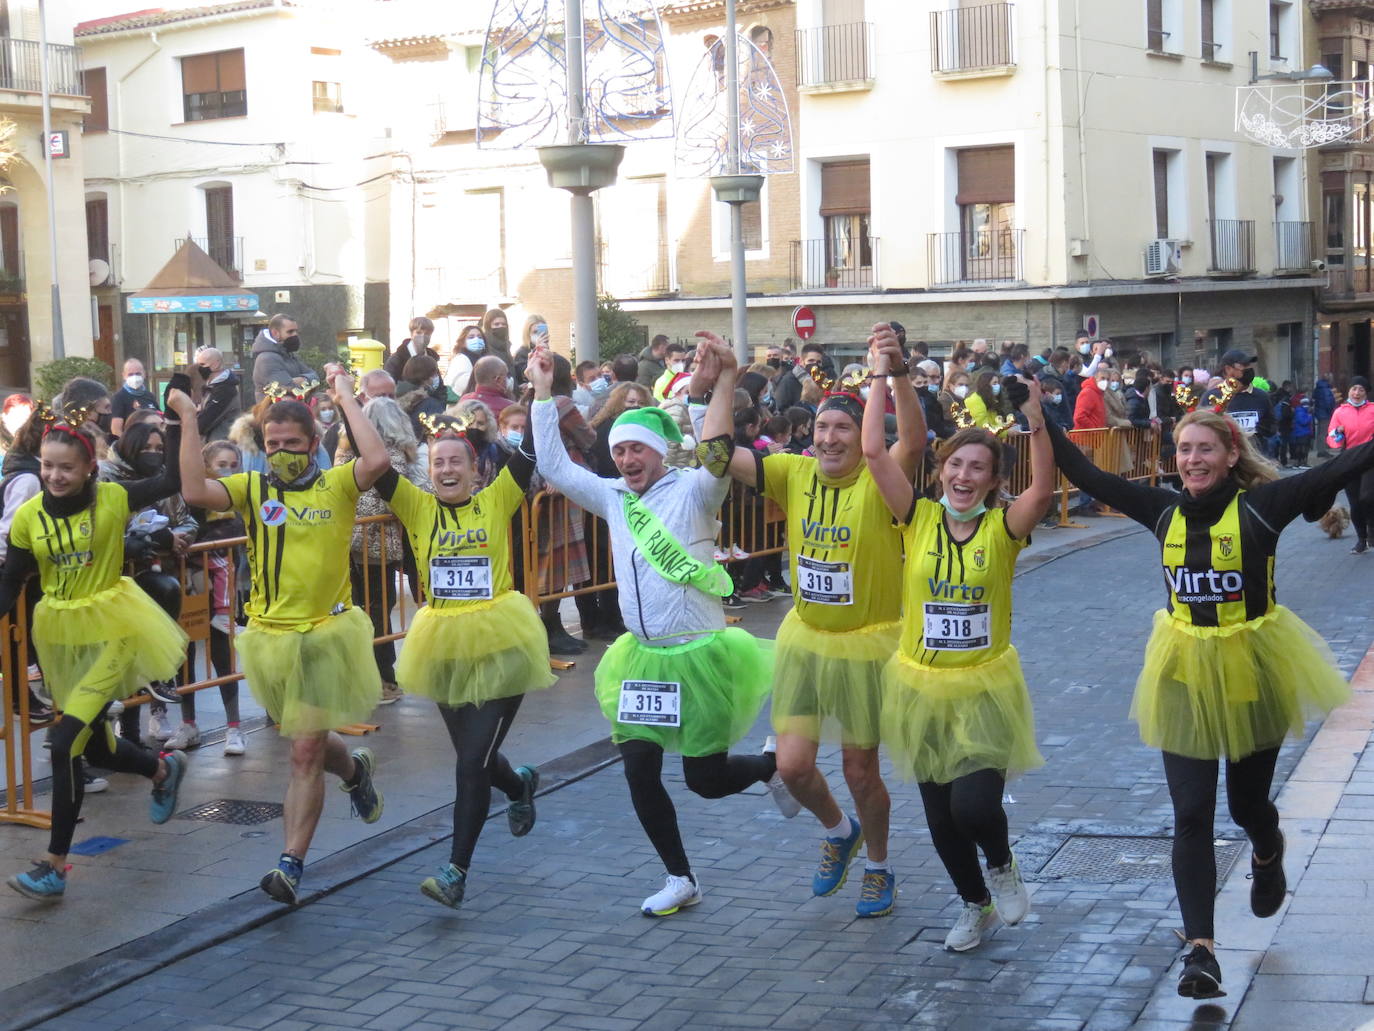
197,488
580,485
372,458
1311,493
1142,503
911,420
892,480
1029,508
715,370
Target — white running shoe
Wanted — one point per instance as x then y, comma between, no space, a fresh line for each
160,726
234,742
782,798
187,736
967,932
677,892
220,622
1009,892
737,553
93,785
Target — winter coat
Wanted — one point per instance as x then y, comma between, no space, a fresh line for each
273,364
1303,423
220,406
1357,423
650,368
1090,411
1323,400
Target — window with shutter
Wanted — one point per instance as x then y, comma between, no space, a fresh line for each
93,86
219,226
987,175
214,86
98,229
844,188
1155,36
1161,177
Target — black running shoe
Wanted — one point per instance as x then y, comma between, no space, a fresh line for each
1201,977
1268,885
1361,546
164,691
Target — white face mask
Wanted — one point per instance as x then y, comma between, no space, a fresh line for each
134,382
1107,353
1085,348
961,391
1102,384
1056,398
677,366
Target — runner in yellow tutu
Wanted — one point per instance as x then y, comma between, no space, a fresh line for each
99,637
678,679
478,645
307,653
956,713
846,566
1228,671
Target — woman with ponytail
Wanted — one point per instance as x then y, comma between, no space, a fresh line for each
1228,672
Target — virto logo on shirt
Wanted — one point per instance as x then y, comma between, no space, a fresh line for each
818,534
1204,586
274,513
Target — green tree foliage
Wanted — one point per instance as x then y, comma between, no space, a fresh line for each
49,377
618,330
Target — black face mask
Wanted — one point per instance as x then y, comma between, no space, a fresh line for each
775,363
477,438
1247,377
103,420
149,463
204,371
291,344
501,335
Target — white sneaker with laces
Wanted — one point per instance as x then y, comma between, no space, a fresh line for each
782,798
677,892
187,736
967,932
1009,894
94,785
737,553
234,742
160,726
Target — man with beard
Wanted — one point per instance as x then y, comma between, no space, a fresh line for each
274,356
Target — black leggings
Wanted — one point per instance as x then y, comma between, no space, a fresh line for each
710,776
477,732
70,740
1360,493
1193,789
372,578
223,664
965,815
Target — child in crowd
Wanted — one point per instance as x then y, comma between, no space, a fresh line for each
1300,439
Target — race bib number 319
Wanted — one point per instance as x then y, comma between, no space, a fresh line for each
650,702
460,577
956,627
824,583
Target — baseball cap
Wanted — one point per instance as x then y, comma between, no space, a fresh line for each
1234,357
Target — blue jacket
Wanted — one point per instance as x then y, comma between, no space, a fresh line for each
1302,422
1323,400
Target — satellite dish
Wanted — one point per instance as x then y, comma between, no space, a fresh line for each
100,272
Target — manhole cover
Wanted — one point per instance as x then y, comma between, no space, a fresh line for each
232,810
1085,857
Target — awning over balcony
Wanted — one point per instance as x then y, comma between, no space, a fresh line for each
191,283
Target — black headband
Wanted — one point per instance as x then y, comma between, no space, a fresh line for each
847,403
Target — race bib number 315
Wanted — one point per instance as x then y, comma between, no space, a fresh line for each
650,702
956,627
460,577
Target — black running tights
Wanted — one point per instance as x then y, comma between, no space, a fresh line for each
477,732
965,815
70,740
1193,789
710,776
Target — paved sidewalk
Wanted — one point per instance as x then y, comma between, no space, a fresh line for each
551,936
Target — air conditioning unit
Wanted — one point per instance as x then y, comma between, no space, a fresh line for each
1163,258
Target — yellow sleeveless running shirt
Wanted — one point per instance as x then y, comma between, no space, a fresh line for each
845,551
1212,578
76,555
463,551
298,544
958,596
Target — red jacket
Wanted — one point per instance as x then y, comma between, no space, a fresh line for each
1089,412
1358,424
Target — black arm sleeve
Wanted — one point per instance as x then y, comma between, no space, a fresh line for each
143,493
19,563
1310,494
1141,502
386,484
214,406
521,462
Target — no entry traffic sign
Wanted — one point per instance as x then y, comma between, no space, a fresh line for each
804,322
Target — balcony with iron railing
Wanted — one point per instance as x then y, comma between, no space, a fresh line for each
1293,248
823,265
21,67
971,258
835,58
972,42
624,276
224,251
1233,246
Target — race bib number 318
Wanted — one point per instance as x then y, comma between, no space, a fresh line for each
956,627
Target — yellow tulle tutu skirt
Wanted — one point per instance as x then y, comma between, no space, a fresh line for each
313,680
1227,692
942,724
93,650
477,653
829,686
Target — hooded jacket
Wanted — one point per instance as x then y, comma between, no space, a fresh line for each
220,406
273,364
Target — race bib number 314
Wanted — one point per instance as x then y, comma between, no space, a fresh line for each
460,577
650,703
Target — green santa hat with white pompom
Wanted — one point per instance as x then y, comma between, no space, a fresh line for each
652,427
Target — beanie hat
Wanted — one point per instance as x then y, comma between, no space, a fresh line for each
1359,381
652,427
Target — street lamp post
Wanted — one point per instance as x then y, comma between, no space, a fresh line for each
59,349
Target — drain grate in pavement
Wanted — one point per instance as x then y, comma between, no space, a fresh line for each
1088,857
232,810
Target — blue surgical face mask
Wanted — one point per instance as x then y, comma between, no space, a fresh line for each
515,437
964,517
475,344
599,386
934,388
996,389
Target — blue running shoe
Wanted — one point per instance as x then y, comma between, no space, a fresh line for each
164,800
520,814
44,883
836,855
282,880
366,799
875,897
447,888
